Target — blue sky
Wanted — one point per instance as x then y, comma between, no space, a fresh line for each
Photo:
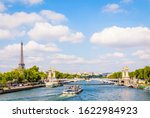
75,35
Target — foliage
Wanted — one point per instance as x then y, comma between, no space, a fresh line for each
60,75
142,73
147,73
141,87
116,75
22,75
4,82
131,75
1,76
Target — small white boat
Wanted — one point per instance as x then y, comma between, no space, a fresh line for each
73,90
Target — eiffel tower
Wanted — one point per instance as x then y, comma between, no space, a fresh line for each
21,64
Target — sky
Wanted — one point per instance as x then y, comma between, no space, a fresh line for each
75,35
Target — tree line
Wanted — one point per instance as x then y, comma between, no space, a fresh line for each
18,76
142,74
60,75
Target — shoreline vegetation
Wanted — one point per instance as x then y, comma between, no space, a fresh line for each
141,76
21,79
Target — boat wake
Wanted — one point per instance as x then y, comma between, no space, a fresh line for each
67,95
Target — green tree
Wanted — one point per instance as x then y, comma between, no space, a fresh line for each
33,74
139,73
1,76
115,75
147,73
132,74
4,82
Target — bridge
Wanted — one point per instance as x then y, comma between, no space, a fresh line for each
88,83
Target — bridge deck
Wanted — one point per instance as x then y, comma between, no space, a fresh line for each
91,84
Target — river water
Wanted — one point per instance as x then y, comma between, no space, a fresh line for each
89,93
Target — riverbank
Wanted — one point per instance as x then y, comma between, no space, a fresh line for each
139,86
20,88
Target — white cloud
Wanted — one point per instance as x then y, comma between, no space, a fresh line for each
9,34
142,54
36,47
122,37
5,34
31,48
112,8
72,60
114,55
9,54
47,31
34,60
19,19
53,16
34,54
73,37
2,7
66,59
43,25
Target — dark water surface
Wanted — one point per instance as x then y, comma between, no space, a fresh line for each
90,93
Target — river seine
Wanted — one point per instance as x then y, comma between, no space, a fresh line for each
90,92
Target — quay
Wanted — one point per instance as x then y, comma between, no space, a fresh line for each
20,88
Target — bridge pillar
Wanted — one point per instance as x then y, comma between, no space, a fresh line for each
125,76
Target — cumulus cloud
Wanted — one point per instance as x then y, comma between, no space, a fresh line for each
71,60
53,16
142,54
19,19
73,37
5,34
36,47
31,48
9,34
2,7
47,31
114,55
112,8
34,54
66,59
9,52
122,37
43,25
